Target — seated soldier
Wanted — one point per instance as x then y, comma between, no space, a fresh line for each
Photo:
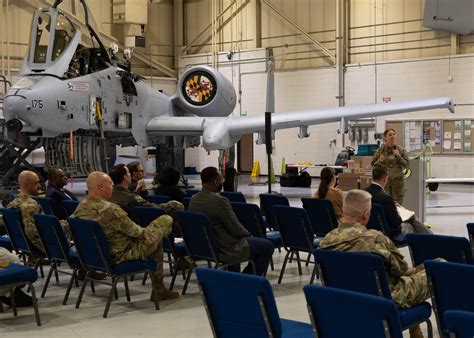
409,286
137,185
235,242
127,240
21,298
395,222
128,200
56,182
29,183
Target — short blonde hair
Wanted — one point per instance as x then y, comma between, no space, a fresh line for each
356,202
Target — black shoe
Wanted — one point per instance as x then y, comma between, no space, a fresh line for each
21,299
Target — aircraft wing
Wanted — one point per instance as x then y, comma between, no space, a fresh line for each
223,132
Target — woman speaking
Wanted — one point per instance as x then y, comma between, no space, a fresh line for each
396,160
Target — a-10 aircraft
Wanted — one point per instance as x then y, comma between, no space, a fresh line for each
71,86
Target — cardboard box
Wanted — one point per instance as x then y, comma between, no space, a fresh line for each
350,164
348,181
365,181
364,161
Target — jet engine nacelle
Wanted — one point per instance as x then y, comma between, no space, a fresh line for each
204,91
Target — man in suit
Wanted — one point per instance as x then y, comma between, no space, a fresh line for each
379,196
56,182
137,186
235,243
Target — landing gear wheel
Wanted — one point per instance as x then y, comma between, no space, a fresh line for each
433,186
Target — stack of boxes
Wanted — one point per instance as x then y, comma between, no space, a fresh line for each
358,174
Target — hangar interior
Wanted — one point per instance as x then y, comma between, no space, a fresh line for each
326,53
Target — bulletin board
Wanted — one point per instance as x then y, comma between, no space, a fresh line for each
453,136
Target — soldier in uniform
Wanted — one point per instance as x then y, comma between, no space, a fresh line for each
409,286
127,240
396,160
29,183
127,200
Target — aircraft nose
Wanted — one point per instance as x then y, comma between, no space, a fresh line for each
14,106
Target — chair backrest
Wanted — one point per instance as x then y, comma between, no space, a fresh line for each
52,236
340,313
146,214
321,214
158,199
428,246
470,233
451,287
353,271
267,201
250,217
460,323
239,305
378,220
295,228
91,243
14,225
46,204
198,235
234,196
191,192
71,206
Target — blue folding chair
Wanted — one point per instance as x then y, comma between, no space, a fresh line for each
58,250
186,202
240,305
21,244
470,233
365,272
6,243
71,206
200,242
250,217
297,235
451,289
191,192
15,275
46,204
176,251
234,196
321,214
460,323
93,249
378,221
428,246
339,313
267,201
158,199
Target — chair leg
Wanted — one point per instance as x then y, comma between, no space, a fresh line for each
46,284
56,274
12,301
170,262
308,259
92,286
188,277
83,288
1,307
430,328
145,276
127,291
154,293
271,264
298,261
284,266
69,287
35,304
175,273
315,269
111,294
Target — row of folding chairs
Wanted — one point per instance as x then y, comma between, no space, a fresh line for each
354,301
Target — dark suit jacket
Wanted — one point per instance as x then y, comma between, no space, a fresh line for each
58,196
230,234
173,192
133,186
381,197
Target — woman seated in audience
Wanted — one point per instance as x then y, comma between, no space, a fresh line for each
326,190
168,181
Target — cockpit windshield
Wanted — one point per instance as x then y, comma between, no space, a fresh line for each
63,35
43,31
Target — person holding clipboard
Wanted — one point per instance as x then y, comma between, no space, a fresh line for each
396,160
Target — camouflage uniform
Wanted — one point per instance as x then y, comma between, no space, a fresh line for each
127,240
396,166
28,207
409,286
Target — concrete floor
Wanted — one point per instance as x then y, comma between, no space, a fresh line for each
448,210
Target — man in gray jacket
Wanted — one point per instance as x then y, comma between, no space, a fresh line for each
235,242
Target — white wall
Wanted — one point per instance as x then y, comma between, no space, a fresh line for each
317,88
